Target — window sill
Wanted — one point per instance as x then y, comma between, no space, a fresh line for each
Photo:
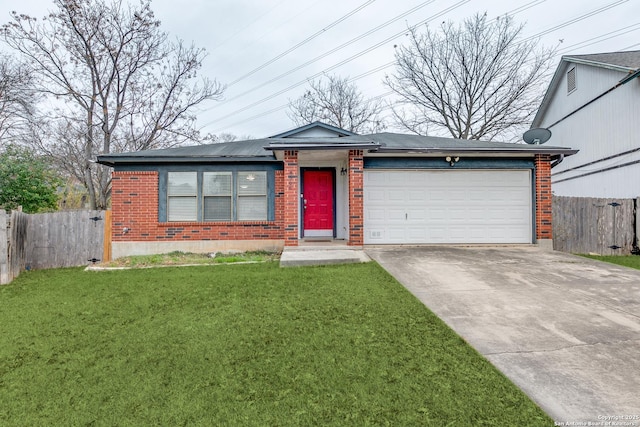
213,223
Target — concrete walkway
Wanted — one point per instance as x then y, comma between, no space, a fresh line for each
563,328
321,254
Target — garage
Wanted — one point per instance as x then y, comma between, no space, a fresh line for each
447,206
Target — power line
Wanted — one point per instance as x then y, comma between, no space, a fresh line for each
607,36
288,88
303,42
515,11
576,19
629,47
240,52
342,46
241,29
526,6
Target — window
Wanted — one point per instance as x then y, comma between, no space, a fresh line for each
217,196
182,196
571,80
252,196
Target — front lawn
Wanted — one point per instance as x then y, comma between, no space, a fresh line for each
632,261
251,345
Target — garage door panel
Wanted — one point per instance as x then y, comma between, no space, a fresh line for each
376,195
416,195
448,206
416,215
416,233
376,214
396,215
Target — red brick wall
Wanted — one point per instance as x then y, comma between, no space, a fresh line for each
356,198
134,205
543,197
291,179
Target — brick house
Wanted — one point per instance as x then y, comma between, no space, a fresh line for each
320,182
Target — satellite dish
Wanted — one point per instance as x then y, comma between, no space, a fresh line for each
536,136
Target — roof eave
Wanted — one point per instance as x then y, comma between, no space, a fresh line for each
112,161
485,151
598,64
546,100
307,147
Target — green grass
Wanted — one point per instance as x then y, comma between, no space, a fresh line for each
250,345
190,258
632,261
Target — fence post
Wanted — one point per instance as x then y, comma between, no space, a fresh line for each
4,249
106,256
636,208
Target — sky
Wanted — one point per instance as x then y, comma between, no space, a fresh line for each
265,52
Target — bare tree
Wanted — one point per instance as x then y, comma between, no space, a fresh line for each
17,102
114,80
337,102
212,138
472,81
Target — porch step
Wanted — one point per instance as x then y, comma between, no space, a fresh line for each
321,255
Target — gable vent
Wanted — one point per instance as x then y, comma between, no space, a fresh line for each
571,80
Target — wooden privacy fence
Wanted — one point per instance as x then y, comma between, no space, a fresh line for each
589,225
52,240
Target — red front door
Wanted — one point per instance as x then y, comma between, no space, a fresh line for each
318,203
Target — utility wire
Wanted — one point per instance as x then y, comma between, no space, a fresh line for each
241,29
355,78
602,37
576,19
302,43
262,36
629,47
288,88
517,10
342,46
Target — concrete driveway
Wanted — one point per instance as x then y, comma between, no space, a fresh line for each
565,329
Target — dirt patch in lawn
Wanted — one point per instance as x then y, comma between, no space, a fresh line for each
177,258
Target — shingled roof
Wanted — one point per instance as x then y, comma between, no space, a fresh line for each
628,61
262,150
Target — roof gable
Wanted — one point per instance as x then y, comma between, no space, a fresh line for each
315,129
627,63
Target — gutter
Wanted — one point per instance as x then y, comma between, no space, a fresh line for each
560,151
112,161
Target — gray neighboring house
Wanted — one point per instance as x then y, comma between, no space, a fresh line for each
592,105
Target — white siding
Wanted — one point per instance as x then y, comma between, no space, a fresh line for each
604,128
600,185
316,132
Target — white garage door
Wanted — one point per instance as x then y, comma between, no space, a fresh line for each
462,206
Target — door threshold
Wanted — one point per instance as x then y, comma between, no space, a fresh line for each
321,241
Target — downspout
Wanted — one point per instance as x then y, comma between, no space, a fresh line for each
557,161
